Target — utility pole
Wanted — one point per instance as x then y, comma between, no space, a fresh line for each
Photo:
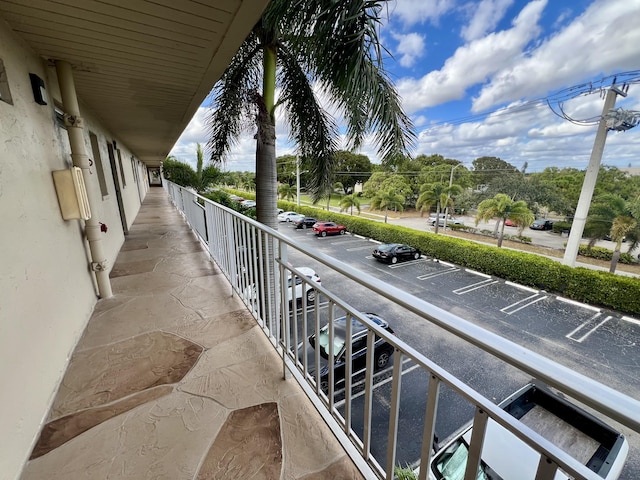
591,175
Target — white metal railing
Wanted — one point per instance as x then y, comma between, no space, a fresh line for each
255,260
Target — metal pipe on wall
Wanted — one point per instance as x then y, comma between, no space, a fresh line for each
75,130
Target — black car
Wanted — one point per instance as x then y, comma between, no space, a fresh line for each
382,350
542,224
392,252
306,222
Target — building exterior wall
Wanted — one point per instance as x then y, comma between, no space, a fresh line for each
47,292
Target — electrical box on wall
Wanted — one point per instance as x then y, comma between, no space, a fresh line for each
72,194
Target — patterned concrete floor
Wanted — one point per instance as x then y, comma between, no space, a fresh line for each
173,379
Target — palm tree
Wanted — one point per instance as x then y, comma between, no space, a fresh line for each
438,194
611,215
387,199
348,202
503,207
321,42
207,175
287,191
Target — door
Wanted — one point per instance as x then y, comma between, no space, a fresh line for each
118,187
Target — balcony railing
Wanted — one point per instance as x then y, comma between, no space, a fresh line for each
256,261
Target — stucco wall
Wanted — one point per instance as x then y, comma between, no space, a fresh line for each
47,292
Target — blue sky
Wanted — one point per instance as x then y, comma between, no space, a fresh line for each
468,72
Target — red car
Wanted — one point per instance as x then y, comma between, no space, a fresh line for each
328,228
509,223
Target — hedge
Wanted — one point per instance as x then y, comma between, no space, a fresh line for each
585,285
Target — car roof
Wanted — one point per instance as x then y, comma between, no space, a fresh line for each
388,246
340,325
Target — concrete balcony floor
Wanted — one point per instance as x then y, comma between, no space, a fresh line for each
173,379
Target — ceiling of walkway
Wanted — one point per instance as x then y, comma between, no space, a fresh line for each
144,67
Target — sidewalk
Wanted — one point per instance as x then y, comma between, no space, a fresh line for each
173,379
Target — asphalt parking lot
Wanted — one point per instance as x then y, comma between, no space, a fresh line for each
597,343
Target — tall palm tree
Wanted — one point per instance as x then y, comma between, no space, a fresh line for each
348,202
503,207
438,194
387,199
297,45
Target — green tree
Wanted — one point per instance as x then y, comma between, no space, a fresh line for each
287,192
610,215
296,45
286,165
387,199
502,207
178,172
351,168
437,194
486,169
348,202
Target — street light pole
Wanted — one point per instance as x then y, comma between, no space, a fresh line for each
298,180
591,175
446,210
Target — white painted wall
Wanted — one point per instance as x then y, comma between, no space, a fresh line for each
47,293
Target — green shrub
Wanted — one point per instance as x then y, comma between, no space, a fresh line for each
559,227
601,253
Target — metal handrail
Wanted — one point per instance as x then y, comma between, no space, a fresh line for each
243,248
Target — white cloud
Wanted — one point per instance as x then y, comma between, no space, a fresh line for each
410,47
473,63
486,16
413,12
602,40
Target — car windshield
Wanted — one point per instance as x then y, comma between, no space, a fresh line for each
323,343
452,463
385,248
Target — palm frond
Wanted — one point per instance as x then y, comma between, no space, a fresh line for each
233,93
311,128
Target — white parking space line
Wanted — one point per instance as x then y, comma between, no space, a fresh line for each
524,303
474,286
521,287
376,385
435,274
343,242
587,324
631,320
410,262
578,304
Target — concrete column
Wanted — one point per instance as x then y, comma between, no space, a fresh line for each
75,130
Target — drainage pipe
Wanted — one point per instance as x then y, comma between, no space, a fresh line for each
75,130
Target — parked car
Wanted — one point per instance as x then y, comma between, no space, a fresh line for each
251,296
393,252
305,222
541,224
328,228
382,349
509,223
450,221
289,216
249,203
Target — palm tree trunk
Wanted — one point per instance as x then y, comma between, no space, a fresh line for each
437,216
386,210
501,234
614,259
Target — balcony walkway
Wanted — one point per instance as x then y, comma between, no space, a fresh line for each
173,379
